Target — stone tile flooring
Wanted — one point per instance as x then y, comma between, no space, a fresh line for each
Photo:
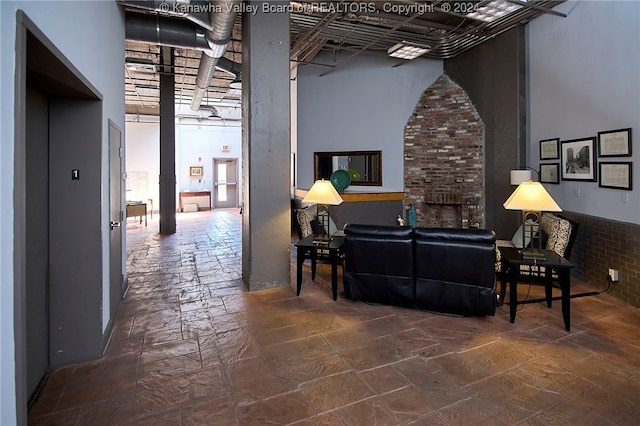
192,347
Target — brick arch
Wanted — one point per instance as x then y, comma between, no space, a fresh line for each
444,159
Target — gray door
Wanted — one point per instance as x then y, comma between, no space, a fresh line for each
116,216
225,178
37,239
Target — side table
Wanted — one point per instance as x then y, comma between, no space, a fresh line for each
512,259
306,247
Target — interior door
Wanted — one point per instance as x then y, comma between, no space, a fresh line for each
225,194
37,240
116,216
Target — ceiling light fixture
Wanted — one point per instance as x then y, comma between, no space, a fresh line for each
236,84
142,65
494,10
407,50
148,90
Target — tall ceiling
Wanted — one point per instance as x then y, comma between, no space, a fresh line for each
344,28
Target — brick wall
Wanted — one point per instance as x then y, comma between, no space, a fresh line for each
444,160
602,244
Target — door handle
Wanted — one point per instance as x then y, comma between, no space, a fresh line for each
114,225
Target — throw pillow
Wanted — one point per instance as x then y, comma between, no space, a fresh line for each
558,232
305,216
560,240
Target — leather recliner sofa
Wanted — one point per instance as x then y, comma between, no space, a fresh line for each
439,269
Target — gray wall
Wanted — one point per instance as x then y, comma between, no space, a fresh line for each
94,47
584,77
493,75
362,105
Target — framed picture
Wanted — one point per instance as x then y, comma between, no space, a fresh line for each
578,160
550,149
616,175
550,173
195,171
614,143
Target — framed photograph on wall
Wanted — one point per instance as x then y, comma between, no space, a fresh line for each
550,173
616,175
550,149
578,159
195,171
614,143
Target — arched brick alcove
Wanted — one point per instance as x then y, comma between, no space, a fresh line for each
444,162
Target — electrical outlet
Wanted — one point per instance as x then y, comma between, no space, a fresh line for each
613,275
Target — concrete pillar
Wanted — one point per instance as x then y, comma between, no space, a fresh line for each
167,192
266,151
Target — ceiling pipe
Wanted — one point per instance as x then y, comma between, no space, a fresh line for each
180,8
223,16
165,31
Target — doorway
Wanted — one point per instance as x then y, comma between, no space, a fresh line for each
58,221
225,183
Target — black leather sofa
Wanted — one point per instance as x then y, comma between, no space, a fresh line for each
446,270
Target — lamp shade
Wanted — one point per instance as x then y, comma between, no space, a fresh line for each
323,192
519,176
533,197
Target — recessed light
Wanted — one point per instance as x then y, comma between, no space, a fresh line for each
407,50
142,65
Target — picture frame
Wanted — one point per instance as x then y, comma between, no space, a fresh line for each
550,149
195,171
578,159
614,143
616,175
550,173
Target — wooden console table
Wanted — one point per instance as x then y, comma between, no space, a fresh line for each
137,209
190,194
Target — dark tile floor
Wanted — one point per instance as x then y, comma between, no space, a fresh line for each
192,347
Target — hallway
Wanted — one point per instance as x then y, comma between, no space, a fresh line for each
192,347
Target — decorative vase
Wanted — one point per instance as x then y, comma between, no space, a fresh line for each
412,216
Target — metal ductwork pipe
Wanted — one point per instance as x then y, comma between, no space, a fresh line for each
179,8
165,31
223,16
172,32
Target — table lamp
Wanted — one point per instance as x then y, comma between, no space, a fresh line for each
532,199
522,174
323,194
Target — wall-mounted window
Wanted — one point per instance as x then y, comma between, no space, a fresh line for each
364,167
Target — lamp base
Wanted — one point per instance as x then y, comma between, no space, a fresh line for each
532,255
321,239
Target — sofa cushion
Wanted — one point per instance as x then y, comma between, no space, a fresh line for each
455,270
379,264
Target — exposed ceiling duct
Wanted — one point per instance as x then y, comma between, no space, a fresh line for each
342,29
223,16
157,25
164,31
174,8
